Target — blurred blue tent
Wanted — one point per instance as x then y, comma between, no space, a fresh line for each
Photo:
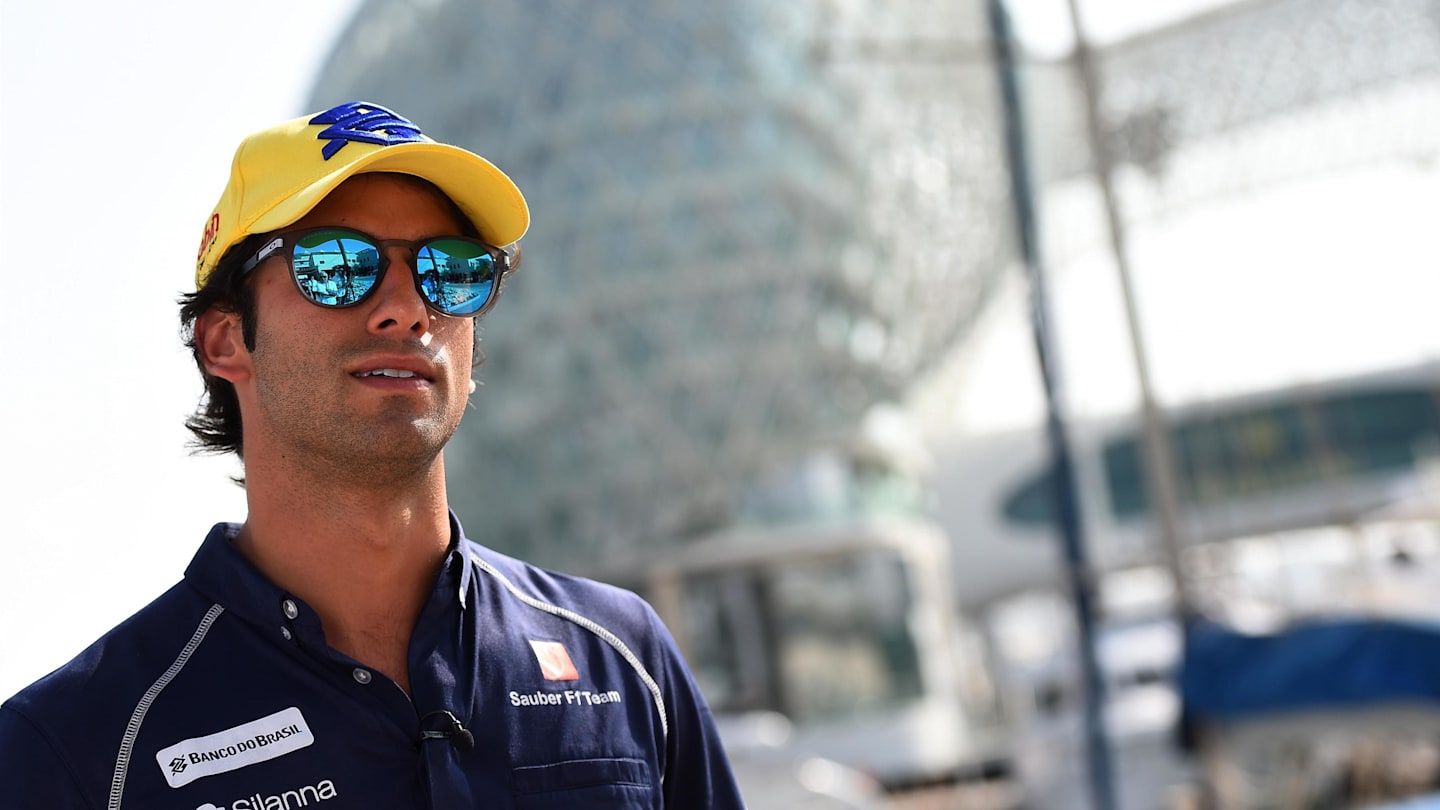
1334,664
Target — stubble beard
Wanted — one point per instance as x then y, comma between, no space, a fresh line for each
309,418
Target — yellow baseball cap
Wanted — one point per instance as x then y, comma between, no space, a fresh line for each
280,173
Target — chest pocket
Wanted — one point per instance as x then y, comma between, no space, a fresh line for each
602,784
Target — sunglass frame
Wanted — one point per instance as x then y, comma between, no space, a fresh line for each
283,244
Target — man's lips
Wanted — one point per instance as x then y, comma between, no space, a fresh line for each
413,369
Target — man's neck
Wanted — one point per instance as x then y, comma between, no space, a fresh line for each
363,559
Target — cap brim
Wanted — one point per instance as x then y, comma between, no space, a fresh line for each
482,192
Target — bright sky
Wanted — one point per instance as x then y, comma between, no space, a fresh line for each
119,122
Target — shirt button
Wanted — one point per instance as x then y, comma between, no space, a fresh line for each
285,631
291,611
362,676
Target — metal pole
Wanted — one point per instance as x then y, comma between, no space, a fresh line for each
1067,504
1159,463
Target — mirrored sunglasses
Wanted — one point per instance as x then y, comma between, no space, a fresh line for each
338,267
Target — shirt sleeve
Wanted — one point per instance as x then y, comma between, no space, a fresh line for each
697,771
35,775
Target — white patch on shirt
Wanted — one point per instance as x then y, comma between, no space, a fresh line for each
269,737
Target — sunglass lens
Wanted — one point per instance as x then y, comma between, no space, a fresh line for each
335,268
457,275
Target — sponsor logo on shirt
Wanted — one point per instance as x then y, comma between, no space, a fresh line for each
570,697
303,796
555,663
269,737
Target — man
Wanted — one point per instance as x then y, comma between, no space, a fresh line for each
347,645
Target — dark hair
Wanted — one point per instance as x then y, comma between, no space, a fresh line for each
216,422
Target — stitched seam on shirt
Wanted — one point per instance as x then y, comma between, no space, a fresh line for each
594,627
132,730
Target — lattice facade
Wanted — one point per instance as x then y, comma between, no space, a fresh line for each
755,220
743,239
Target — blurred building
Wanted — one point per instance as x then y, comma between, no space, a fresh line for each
773,256
1276,165
753,222
757,222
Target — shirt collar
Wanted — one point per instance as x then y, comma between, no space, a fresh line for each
221,573
456,569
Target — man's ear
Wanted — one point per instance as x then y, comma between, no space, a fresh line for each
220,341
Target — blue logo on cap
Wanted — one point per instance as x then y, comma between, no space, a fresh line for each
367,123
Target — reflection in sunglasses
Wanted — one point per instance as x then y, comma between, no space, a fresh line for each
338,268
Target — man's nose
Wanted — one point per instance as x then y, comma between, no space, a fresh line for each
397,304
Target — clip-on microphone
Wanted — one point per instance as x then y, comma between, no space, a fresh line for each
452,730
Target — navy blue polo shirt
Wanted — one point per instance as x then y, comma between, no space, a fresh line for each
529,689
